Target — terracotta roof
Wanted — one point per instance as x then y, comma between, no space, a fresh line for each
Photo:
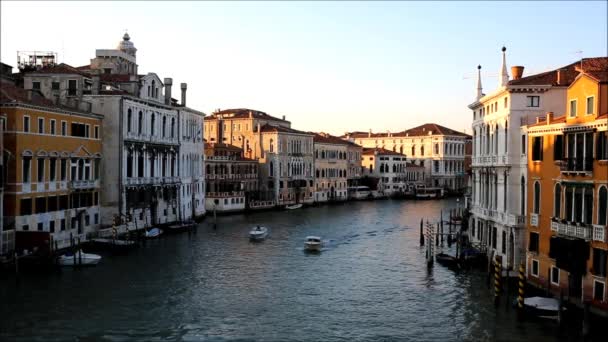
381,151
325,138
434,128
543,121
59,69
241,113
569,72
84,67
600,76
10,94
115,77
273,128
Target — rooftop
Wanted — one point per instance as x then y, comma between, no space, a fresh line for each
421,130
242,113
325,138
380,151
569,73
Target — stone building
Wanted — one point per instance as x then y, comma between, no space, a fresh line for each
231,179
285,154
53,156
331,168
389,167
439,149
354,171
567,191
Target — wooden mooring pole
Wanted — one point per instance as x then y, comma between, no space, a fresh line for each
520,296
421,233
497,281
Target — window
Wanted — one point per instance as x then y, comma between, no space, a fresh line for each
590,103
598,290
87,131
152,124
536,208
523,144
602,145
40,226
36,85
62,225
25,171
40,170
572,108
25,206
79,130
599,262
140,122
63,170
558,147
602,206
533,101
53,169
53,124
554,275
504,242
26,124
436,148
72,87
537,148
557,200
533,246
96,132
64,128
535,267
494,237
52,226
40,205
129,119
55,85
40,125
506,102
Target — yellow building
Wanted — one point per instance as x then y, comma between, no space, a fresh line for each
568,191
52,185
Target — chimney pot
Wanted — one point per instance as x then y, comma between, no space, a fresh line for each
538,119
283,117
184,87
517,71
549,117
168,86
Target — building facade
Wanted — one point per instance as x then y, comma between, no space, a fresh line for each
499,165
568,192
354,171
285,154
231,179
389,167
53,156
439,149
331,168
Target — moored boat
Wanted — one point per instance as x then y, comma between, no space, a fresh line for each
447,260
258,233
153,233
542,307
313,244
179,227
79,258
294,206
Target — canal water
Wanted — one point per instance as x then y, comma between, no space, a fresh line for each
369,283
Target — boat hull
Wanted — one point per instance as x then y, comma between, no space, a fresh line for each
312,247
81,259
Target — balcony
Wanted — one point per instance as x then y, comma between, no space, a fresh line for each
576,165
225,194
83,184
575,230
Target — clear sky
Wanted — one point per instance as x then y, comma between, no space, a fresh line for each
327,66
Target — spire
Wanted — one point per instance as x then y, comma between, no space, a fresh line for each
479,93
504,75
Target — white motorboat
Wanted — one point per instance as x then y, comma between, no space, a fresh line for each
313,244
294,206
542,307
153,233
79,259
258,233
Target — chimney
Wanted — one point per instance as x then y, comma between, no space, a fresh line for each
549,117
96,84
517,71
538,118
369,134
560,76
283,117
250,114
184,86
168,85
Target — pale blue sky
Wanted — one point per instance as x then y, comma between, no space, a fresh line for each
327,66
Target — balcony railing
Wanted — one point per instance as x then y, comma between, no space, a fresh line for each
575,230
83,184
534,220
225,194
584,164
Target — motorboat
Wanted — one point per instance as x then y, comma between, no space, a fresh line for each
294,206
79,258
313,244
153,233
180,227
258,233
543,307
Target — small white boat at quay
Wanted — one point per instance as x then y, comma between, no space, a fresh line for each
294,206
79,259
313,244
153,233
258,233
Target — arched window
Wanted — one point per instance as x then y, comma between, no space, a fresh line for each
422,150
129,119
271,169
557,200
436,148
401,149
506,128
522,196
536,208
164,126
153,88
271,145
152,124
603,206
140,122
413,150
172,127
394,168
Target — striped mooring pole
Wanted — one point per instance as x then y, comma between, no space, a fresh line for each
520,296
497,274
